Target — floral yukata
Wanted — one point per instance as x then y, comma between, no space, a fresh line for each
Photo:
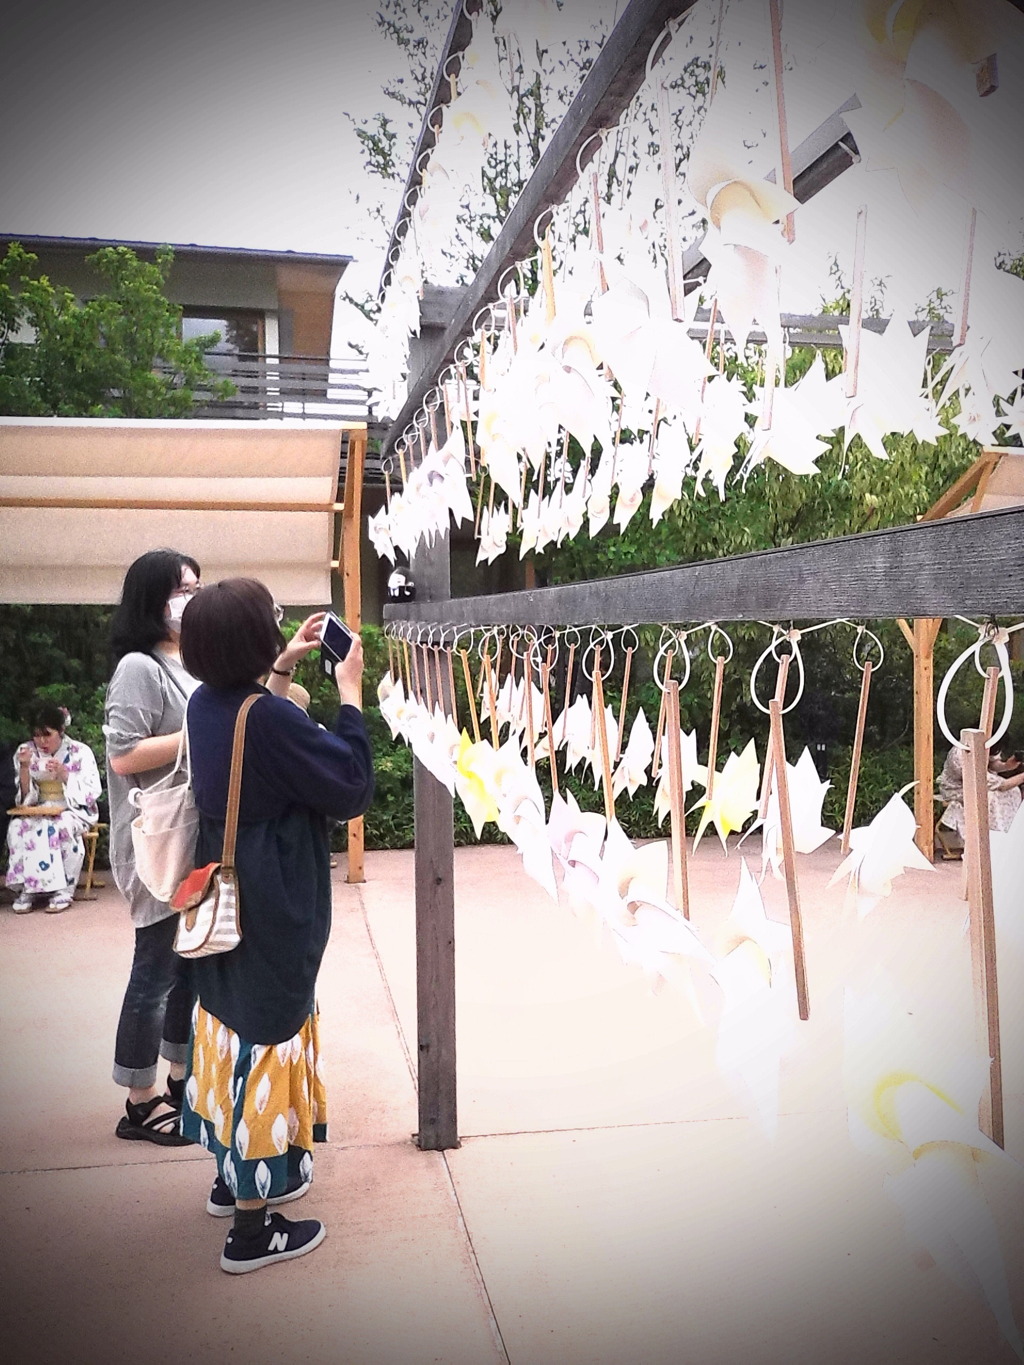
47,851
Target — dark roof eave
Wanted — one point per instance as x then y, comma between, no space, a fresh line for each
31,240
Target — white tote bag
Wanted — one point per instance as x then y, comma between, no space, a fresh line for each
165,830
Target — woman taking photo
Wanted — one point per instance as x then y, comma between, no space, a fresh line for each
47,850
254,1090
145,706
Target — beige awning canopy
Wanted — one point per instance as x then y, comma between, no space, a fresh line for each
81,498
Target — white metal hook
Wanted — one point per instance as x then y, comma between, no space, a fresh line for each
599,638
600,134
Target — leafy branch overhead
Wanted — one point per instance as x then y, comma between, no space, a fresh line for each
116,354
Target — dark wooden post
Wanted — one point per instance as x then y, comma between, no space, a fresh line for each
435,912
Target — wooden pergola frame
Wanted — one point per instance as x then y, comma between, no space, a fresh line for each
926,571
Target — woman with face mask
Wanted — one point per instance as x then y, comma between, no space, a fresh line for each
145,707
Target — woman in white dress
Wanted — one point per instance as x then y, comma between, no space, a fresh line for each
47,850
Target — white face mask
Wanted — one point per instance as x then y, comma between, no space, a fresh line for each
175,610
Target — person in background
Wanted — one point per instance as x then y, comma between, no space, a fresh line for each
145,707
254,1093
1005,778
47,851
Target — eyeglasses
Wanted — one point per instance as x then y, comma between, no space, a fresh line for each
278,613
186,592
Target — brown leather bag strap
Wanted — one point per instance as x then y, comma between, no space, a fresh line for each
227,859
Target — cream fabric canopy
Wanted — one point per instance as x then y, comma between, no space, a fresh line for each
81,498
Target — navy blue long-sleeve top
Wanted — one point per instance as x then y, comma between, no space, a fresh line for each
294,776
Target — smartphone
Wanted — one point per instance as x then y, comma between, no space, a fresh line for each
335,643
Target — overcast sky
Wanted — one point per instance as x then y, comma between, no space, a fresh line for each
219,122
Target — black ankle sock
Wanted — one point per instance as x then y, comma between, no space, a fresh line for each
250,1222
176,1090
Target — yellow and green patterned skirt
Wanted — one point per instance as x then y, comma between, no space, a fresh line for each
258,1107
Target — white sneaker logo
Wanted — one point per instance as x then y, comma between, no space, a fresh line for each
279,1242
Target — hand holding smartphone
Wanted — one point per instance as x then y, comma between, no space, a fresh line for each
335,642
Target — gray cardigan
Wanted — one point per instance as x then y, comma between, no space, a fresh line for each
145,697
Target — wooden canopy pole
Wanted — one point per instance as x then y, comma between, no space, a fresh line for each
921,640
351,523
981,921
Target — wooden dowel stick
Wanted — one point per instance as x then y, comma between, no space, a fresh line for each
988,702
546,687
602,737
716,716
568,691
858,744
965,275
622,703
784,167
531,756
417,689
781,778
470,698
781,678
451,688
409,692
660,727
425,668
852,355
490,700
982,930
680,877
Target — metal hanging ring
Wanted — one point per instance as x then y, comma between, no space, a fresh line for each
713,655
861,632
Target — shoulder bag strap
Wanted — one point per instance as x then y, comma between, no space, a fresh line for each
167,670
227,860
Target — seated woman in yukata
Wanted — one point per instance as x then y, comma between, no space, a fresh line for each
1005,778
58,784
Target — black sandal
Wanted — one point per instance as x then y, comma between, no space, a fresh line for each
140,1124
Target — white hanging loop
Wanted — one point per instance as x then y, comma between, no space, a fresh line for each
858,661
793,638
598,637
714,653
676,641
998,639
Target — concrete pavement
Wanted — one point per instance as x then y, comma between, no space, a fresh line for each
611,1199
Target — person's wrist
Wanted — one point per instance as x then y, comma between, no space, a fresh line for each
285,671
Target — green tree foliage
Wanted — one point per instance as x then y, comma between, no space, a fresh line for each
118,354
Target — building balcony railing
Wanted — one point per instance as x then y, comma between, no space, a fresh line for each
275,386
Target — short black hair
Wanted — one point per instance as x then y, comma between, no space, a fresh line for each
139,622
45,715
229,633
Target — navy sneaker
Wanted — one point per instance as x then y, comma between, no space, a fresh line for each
279,1240
221,1202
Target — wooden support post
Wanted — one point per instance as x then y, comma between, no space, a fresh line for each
601,726
351,527
781,777
858,745
435,912
981,920
680,870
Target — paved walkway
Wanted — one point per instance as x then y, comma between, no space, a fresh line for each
610,1201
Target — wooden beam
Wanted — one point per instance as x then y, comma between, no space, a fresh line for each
351,530
616,75
929,569
958,492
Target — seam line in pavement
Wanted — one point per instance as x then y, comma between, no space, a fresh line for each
403,1041
474,1261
